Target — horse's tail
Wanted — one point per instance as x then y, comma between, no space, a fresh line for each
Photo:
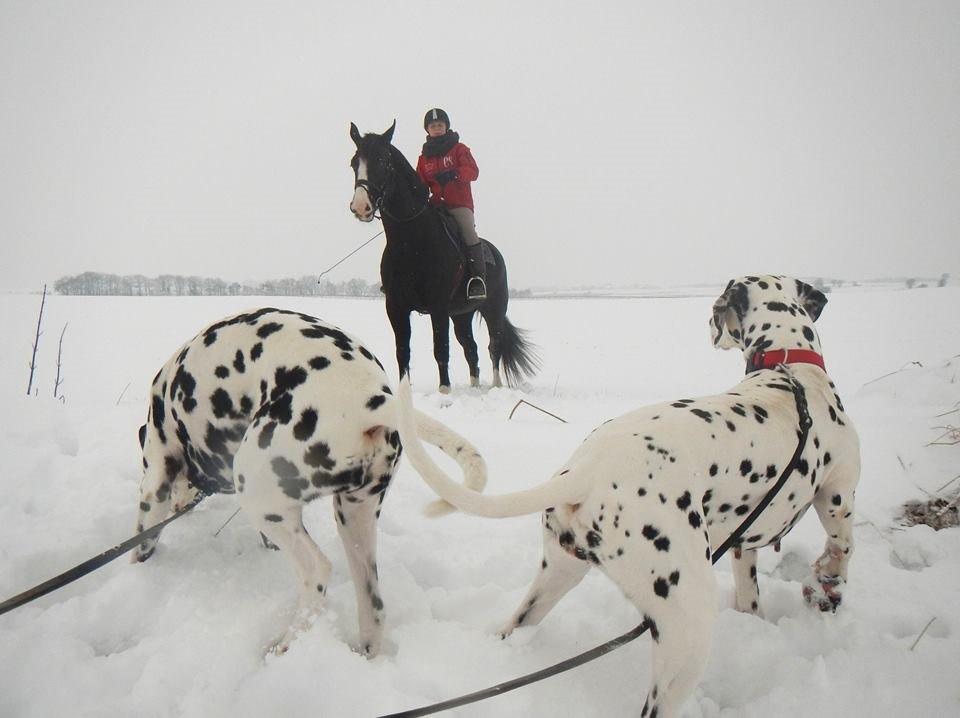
517,355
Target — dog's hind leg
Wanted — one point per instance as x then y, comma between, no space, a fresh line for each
282,524
675,591
274,505
559,572
834,505
357,524
744,564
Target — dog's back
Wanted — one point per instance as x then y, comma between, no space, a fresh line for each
263,370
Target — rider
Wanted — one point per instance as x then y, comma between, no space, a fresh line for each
448,168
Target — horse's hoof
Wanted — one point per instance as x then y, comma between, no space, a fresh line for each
474,381
444,388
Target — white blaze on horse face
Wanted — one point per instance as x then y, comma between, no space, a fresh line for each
361,206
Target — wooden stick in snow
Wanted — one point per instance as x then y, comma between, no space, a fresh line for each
122,393
524,401
58,381
929,623
36,341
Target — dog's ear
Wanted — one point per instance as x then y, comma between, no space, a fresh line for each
354,134
813,300
728,313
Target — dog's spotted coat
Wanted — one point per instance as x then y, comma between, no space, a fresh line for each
282,409
648,496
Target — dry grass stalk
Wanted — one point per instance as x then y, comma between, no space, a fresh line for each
524,401
929,623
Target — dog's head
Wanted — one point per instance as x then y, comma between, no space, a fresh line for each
763,312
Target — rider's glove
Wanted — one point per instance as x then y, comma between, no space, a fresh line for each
446,176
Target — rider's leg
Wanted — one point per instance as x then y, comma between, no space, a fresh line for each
476,287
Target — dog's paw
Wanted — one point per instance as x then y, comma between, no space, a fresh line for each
824,592
182,495
142,552
279,647
267,543
369,649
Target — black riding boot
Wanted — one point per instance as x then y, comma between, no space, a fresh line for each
477,267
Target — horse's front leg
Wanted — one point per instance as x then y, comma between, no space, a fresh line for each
441,347
400,321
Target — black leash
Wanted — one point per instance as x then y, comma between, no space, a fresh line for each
106,557
90,565
349,255
805,423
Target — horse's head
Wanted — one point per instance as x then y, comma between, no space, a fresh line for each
372,171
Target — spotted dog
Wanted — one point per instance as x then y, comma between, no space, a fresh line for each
648,496
282,409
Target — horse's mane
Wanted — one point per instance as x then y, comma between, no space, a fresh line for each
405,170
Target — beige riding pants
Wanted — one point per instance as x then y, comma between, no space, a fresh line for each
468,228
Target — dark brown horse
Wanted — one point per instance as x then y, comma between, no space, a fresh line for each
422,268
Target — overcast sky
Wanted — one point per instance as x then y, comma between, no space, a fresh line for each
618,143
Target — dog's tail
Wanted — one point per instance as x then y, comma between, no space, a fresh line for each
471,463
382,419
561,489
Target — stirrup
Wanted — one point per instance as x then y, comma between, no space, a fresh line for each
476,288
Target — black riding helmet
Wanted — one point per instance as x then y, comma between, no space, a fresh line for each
436,115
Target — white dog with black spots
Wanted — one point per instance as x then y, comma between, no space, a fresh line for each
281,409
650,495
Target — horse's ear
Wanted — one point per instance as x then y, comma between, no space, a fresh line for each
354,134
388,135
728,312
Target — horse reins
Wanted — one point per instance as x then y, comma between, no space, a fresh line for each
379,199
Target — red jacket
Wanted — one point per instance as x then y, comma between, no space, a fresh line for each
456,193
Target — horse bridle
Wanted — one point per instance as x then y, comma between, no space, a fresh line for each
378,195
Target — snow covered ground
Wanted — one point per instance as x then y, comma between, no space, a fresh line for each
184,633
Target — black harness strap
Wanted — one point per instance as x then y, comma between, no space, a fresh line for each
805,423
90,565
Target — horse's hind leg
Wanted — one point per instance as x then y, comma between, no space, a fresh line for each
463,329
494,320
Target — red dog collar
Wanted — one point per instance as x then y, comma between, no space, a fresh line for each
768,360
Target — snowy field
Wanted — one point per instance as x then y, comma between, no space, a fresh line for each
184,633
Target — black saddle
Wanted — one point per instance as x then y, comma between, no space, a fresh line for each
452,230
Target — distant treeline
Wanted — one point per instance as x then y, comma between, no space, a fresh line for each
175,285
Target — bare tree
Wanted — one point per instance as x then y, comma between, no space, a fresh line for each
58,381
100,284
36,341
